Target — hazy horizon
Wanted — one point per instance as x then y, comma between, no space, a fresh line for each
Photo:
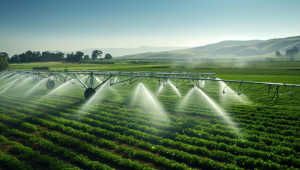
76,25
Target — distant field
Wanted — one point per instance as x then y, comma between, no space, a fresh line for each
156,64
229,70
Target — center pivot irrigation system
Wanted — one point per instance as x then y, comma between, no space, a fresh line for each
93,80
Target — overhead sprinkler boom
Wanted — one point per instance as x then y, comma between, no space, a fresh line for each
90,79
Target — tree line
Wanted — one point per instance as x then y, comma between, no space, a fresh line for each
30,56
290,52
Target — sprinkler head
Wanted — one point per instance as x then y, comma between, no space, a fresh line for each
223,91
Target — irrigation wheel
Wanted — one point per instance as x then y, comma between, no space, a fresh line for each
50,84
89,92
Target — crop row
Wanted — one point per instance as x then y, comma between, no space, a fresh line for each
261,126
183,156
209,128
217,132
274,119
225,133
203,136
80,134
199,134
47,145
12,162
274,112
114,109
209,144
61,102
214,154
158,149
27,153
269,127
17,93
71,155
214,145
73,132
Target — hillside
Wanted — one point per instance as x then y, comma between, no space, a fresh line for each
116,52
252,48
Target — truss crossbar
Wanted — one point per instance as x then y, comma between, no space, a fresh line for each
124,77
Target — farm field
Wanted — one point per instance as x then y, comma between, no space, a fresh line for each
139,126
162,65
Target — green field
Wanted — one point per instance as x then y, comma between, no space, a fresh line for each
121,129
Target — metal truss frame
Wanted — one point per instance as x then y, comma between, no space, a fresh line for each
96,79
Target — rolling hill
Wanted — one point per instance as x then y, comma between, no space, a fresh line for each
116,52
252,48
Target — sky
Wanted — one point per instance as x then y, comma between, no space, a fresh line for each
69,25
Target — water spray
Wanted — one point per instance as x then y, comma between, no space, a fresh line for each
92,98
12,76
224,86
3,76
217,108
10,83
55,90
34,87
174,88
184,101
149,95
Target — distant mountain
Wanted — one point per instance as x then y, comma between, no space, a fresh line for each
252,48
116,52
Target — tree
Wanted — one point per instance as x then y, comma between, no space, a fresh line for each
47,56
100,53
108,56
3,63
86,57
75,57
292,52
70,57
278,54
14,58
4,55
96,53
59,56
37,56
78,56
